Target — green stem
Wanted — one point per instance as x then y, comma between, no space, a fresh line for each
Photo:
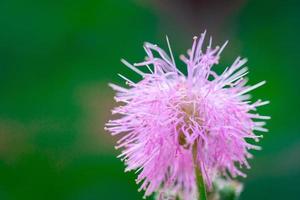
199,177
200,184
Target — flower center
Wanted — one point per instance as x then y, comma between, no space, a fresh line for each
191,118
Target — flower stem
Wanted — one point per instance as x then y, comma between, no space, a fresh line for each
200,184
199,177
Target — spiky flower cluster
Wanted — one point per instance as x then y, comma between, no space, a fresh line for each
172,123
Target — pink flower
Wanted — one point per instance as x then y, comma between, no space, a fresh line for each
169,118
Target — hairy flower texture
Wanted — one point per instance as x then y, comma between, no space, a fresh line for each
168,118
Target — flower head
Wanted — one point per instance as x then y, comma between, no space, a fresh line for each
171,122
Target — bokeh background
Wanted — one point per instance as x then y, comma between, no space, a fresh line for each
56,58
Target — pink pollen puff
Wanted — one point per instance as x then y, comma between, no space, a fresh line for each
165,114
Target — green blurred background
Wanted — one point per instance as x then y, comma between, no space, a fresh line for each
56,58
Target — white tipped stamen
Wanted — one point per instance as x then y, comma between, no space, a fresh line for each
257,128
133,68
210,42
127,80
243,72
117,88
148,67
251,88
260,123
170,50
222,48
261,103
260,116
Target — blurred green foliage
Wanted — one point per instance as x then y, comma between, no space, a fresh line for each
56,58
